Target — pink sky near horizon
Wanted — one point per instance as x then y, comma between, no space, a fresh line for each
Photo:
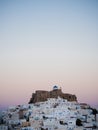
46,43
19,82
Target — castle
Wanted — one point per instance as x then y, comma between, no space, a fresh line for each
41,95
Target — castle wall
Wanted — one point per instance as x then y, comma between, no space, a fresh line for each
40,96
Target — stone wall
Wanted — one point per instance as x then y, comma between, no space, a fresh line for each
40,96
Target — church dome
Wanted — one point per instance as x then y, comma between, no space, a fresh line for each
55,87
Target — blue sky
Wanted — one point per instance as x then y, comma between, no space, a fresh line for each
49,23
47,42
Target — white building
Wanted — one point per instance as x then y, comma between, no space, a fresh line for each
3,127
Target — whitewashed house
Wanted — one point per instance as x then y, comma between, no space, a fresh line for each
3,127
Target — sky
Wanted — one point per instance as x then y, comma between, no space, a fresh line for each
45,43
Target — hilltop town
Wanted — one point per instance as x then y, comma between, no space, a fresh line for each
54,112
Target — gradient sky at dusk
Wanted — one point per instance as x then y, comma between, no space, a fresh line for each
45,43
